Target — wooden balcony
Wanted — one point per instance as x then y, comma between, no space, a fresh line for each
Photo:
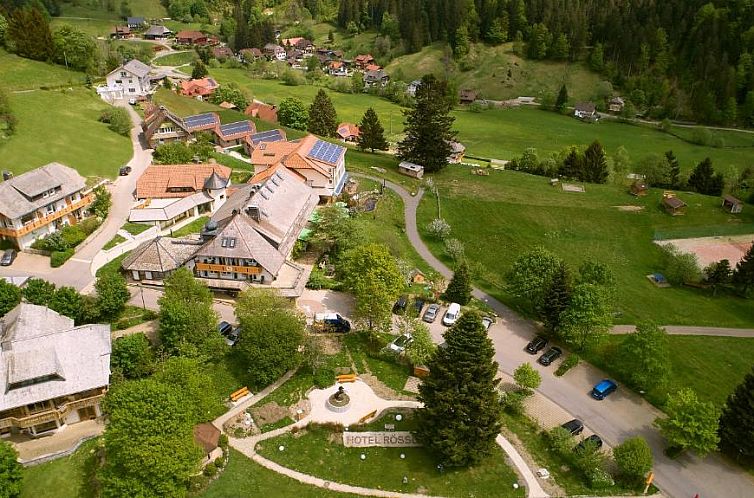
246,270
46,220
58,413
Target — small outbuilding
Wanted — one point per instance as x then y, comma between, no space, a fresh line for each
616,105
672,204
411,169
467,96
207,436
732,205
585,111
639,188
417,276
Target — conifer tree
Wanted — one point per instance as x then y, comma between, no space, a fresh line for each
461,415
704,180
557,298
674,169
29,32
323,120
459,288
371,132
595,164
560,103
428,127
200,70
572,165
743,277
737,420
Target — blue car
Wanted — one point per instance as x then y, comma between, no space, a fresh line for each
603,389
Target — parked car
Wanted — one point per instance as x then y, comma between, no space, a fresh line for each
551,355
430,315
8,257
452,314
575,427
400,305
224,328
594,439
400,343
603,389
487,322
132,101
418,305
124,170
332,322
536,345
232,338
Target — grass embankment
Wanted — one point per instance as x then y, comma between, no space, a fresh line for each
504,134
67,477
501,216
317,453
20,74
176,59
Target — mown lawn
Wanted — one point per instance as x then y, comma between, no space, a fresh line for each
62,126
244,478
24,74
317,454
712,366
176,59
501,216
66,477
191,228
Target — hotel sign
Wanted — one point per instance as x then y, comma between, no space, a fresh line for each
397,439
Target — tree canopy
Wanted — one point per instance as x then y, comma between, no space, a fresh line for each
11,472
737,419
293,113
645,356
459,288
371,132
10,296
323,120
690,423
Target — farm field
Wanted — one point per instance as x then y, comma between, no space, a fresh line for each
62,126
504,134
500,216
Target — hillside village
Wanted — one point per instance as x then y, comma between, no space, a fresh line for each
281,247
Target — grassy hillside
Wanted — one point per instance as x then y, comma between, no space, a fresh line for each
499,74
500,216
503,134
19,74
150,9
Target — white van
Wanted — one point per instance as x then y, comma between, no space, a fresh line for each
451,315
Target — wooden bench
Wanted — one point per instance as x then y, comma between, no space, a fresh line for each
347,378
236,395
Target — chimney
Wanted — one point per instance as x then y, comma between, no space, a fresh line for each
253,211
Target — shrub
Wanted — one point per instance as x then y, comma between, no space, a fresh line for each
599,478
72,235
439,228
57,258
634,459
571,361
210,470
513,402
219,462
223,441
560,440
89,225
680,267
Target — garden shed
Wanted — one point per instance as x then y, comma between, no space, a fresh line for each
732,205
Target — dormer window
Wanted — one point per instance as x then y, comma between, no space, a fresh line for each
48,193
229,242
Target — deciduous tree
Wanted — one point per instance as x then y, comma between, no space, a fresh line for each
461,416
428,127
690,423
133,356
112,295
102,202
645,356
10,296
38,291
67,301
199,71
459,288
335,230
371,132
531,274
293,114
527,378
587,318
421,348
634,459
737,420
73,47
11,472
323,120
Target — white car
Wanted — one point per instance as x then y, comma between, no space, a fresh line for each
450,317
400,343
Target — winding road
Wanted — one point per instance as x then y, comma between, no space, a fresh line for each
622,415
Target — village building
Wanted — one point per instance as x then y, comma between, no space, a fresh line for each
411,169
639,188
376,78
412,87
586,111
121,33
274,51
249,55
173,193
52,374
466,96
156,259
306,46
616,105
131,80
732,205
267,136
191,38
361,61
337,68
157,32
321,163
136,22
199,89
250,238
673,205
207,437
40,202
265,112
349,132
162,126
222,53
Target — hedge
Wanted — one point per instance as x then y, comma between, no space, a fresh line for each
57,258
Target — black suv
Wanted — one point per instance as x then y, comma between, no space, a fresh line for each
551,355
400,305
575,427
593,440
536,345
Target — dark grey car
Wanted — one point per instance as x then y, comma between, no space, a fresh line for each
8,257
430,315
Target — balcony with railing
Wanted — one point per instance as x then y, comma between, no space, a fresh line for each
46,220
59,413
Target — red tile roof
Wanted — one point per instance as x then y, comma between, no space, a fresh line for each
265,112
157,179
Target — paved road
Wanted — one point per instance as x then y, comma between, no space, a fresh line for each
622,415
76,271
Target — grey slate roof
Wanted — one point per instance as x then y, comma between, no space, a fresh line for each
215,182
157,31
137,67
162,254
17,193
36,341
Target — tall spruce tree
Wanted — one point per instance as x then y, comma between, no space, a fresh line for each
557,298
560,103
428,127
595,164
572,165
743,277
674,170
199,71
459,288
461,415
737,420
371,132
323,120
29,32
704,180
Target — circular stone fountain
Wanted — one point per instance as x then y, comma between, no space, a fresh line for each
339,401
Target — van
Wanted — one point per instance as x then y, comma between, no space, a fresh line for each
452,314
332,322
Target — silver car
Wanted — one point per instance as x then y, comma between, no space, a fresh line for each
430,315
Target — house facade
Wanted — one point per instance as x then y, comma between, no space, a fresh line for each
131,80
156,259
349,132
191,38
199,89
52,373
376,77
162,126
274,51
41,201
586,111
157,32
321,163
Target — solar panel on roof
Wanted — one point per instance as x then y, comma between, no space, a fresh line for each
200,120
267,136
325,151
237,127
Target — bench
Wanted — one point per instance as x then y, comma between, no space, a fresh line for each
236,395
346,378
